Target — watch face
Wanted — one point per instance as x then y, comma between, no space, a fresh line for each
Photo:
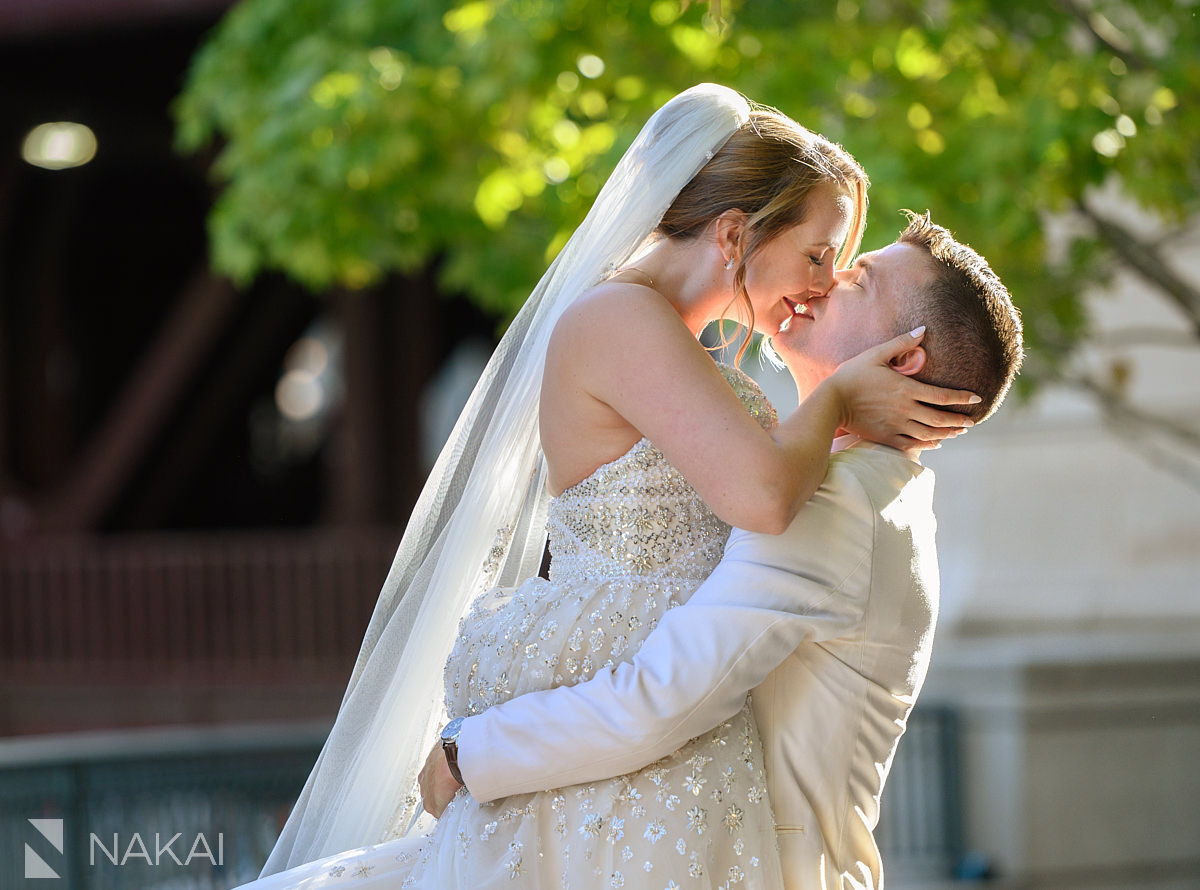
450,733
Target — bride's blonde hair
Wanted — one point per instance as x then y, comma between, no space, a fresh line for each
769,169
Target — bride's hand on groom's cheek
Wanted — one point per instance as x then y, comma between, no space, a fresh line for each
438,787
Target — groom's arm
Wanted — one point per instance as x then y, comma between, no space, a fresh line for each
768,595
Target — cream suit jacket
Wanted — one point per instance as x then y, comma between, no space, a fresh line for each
830,624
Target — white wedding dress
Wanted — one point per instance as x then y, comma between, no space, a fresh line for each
629,542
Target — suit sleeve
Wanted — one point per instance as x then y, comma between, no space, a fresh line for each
768,595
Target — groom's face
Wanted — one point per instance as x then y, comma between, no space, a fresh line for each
863,309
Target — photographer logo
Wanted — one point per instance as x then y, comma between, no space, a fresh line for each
122,850
50,830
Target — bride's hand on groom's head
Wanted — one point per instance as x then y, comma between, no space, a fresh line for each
438,786
882,402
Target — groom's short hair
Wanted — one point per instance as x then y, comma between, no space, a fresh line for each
972,329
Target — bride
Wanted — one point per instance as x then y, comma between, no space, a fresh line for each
601,393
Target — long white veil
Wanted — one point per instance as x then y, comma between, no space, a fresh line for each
480,520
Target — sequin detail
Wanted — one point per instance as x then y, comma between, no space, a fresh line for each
628,543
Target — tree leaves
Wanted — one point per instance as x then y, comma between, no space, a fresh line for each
362,137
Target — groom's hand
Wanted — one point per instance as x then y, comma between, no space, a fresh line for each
438,787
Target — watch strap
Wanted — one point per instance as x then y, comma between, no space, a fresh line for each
450,747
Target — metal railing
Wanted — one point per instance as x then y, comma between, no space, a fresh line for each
276,608
185,810
235,785
130,607
920,820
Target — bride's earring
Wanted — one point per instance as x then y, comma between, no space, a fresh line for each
729,264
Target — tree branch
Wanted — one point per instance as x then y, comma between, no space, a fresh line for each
1106,34
1119,408
1134,423
1145,336
1149,261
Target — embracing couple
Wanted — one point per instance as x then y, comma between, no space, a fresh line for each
708,689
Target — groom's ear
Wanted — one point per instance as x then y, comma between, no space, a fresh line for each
910,362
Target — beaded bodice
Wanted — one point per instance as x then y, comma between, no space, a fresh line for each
628,542
637,515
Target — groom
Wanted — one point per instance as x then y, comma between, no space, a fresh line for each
830,623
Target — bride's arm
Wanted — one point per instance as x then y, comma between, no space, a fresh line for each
628,349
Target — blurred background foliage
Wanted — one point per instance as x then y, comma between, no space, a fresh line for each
358,138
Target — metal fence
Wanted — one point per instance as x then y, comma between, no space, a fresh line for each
233,788
284,609
920,821
195,815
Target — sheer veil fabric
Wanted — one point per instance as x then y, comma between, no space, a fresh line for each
480,520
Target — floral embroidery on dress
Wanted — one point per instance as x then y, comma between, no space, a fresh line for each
628,543
498,550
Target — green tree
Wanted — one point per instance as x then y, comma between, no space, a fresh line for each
359,138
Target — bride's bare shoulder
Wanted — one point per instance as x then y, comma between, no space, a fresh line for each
617,309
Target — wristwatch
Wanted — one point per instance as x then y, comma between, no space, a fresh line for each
450,746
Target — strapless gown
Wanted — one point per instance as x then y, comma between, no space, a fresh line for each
627,543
